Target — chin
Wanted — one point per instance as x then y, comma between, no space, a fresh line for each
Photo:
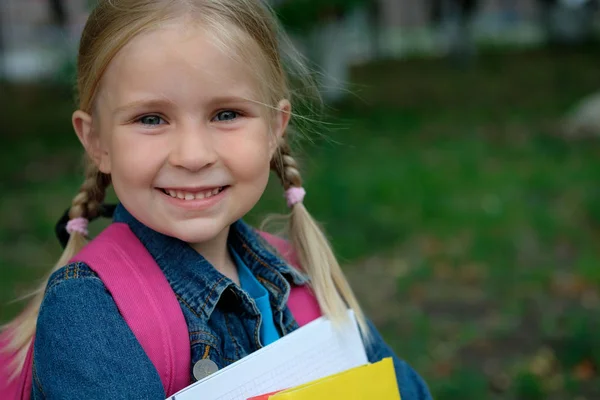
197,232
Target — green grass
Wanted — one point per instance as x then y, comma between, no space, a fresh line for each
467,225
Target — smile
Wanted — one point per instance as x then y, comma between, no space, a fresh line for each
196,195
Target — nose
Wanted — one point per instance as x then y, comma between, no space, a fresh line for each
193,149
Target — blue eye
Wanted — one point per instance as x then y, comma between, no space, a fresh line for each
151,120
227,115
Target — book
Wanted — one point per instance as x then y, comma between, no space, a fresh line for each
367,382
316,350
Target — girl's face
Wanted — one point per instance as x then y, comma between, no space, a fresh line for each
173,125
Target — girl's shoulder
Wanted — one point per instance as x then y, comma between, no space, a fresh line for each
75,285
81,337
71,289
74,271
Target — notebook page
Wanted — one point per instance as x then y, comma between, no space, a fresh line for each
314,351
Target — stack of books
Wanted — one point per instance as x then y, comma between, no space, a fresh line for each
317,361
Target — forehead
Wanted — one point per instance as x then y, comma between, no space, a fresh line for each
180,62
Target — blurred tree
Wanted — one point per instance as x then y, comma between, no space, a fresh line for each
374,20
323,25
568,21
440,8
454,17
59,13
302,16
2,73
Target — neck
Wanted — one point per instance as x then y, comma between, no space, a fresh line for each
216,252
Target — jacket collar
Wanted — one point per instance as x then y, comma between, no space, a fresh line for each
197,283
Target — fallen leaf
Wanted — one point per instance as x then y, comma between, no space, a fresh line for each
472,273
417,293
442,369
443,271
569,285
585,370
430,246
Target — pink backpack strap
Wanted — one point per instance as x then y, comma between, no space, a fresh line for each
149,306
20,387
302,302
27,374
145,300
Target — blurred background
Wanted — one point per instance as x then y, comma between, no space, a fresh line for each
457,175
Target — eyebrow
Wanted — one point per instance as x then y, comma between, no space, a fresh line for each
232,99
163,103
148,103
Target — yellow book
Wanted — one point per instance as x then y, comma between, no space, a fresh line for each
367,382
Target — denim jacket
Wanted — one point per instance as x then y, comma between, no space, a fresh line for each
85,349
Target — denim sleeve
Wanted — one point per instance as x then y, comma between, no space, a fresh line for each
412,386
84,349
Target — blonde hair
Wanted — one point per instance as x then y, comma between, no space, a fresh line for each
240,27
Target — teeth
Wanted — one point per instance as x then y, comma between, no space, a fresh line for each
191,196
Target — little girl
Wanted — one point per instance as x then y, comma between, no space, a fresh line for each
183,107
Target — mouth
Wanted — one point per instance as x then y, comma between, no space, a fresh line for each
190,194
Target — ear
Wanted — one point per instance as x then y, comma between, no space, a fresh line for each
83,125
280,123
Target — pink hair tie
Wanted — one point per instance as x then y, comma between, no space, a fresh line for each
78,225
294,195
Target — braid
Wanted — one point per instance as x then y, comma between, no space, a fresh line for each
286,167
87,202
316,256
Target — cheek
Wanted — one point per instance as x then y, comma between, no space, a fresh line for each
136,158
247,155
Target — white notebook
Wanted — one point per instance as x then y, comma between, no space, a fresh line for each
314,351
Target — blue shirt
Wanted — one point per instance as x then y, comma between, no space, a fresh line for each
84,349
268,331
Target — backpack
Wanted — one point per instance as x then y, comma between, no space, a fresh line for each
147,290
